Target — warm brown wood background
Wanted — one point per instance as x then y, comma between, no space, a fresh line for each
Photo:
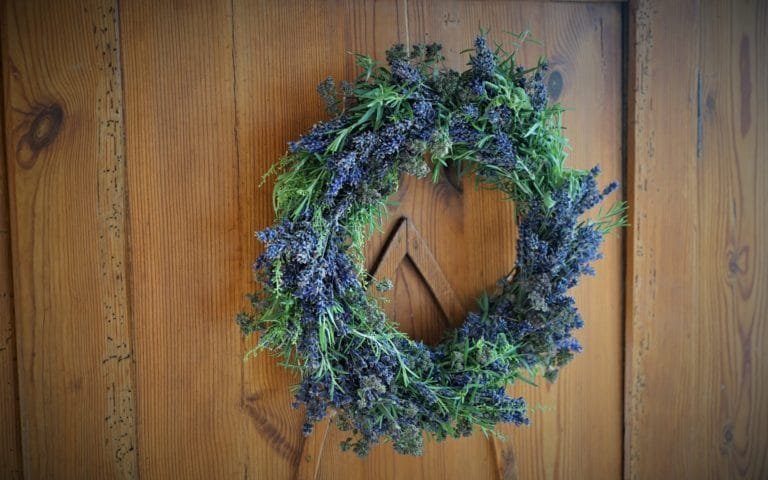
136,132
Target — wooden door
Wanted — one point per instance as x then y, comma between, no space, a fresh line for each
208,96
445,243
136,132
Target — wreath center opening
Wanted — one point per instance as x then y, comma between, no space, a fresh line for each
407,260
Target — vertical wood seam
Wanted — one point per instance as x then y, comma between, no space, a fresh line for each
113,204
626,93
13,230
11,285
128,270
632,87
241,247
407,32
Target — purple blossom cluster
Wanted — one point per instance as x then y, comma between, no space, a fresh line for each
554,249
483,66
482,123
318,138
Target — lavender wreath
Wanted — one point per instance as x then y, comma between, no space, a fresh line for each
313,310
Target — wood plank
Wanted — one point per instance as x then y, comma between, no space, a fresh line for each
412,304
63,123
698,333
583,43
451,217
661,273
187,264
433,277
276,102
407,260
10,434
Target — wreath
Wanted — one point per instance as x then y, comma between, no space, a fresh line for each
314,309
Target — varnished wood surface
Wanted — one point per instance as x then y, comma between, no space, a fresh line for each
64,138
10,436
136,133
186,264
697,332
472,235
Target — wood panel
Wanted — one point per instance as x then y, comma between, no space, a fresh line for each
10,436
214,90
464,228
697,400
183,191
276,102
583,44
63,124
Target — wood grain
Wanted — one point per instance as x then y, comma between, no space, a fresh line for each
697,400
212,93
10,435
280,55
463,228
186,263
63,124
406,251
584,46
